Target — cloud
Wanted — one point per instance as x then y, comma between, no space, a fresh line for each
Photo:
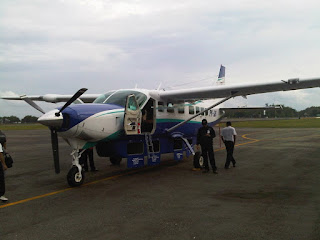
61,46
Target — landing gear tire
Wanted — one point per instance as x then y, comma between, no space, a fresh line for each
74,178
115,160
198,160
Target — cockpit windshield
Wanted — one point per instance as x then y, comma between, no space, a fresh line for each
120,97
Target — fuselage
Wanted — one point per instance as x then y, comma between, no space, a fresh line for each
85,125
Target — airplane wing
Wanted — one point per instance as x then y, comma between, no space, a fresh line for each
54,98
210,92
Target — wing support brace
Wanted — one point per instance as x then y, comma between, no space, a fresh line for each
32,103
180,135
189,119
188,145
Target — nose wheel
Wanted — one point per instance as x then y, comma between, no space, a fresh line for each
74,177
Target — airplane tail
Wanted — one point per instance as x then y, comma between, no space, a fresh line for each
221,77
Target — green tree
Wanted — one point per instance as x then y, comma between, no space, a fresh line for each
11,119
310,112
29,119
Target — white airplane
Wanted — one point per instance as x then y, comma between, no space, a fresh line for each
114,123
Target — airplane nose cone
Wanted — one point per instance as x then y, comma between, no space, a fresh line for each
51,120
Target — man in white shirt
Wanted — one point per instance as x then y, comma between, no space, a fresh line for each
3,167
228,136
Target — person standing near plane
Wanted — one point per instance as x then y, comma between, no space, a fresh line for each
3,167
205,139
88,154
228,136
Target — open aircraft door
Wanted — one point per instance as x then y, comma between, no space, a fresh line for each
132,116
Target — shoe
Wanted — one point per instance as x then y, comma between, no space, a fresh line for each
215,172
196,169
3,199
205,171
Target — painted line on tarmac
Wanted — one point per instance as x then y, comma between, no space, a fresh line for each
245,137
241,144
104,179
65,190
34,198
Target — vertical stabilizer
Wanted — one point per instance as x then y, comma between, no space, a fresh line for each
221,77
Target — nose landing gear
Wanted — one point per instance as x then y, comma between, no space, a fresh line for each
76,175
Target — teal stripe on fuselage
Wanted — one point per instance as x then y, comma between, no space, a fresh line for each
110,113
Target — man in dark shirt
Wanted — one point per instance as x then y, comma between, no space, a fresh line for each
205,139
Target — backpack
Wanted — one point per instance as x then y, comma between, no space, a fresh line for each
8,159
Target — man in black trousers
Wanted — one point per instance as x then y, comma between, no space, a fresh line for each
228,136
88,153
205,139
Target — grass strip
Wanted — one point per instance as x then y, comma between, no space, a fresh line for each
288,123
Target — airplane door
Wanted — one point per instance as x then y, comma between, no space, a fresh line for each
132,116
148,123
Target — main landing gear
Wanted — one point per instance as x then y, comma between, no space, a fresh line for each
115,159
75,175
198,160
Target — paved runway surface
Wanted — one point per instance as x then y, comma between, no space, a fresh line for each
273,193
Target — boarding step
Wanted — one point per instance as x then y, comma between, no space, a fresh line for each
149,143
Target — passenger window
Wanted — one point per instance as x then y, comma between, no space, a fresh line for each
191,109
197,110
181,109
160,106
170,108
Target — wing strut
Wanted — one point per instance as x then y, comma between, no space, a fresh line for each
32,103
189,119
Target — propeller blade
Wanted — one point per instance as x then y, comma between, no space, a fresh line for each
55,149
32,103
71,100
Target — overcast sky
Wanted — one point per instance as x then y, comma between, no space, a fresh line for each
60,46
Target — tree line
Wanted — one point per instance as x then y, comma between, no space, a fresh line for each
14,119
283,112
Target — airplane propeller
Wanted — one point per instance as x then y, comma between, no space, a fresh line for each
54,123
72,99
55,149
54,134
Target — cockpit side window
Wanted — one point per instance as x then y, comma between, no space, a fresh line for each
102,98
119,97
